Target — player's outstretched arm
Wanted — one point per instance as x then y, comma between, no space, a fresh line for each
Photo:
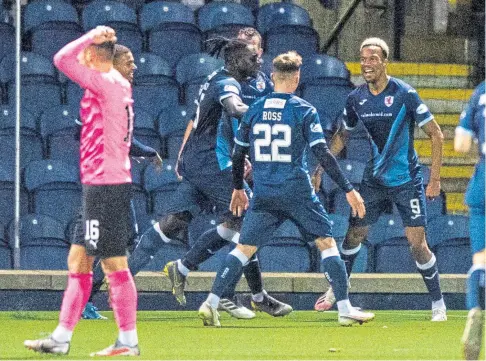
432,129
234,107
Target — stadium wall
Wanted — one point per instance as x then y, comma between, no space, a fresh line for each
42,290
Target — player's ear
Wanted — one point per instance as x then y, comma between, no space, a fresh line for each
272,77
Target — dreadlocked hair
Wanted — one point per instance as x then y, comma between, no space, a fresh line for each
229,48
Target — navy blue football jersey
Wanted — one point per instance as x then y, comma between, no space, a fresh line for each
200,148
279,128
472,121
389,118
251,90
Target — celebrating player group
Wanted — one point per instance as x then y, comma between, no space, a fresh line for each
243,123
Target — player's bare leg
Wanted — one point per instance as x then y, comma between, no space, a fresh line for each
427,266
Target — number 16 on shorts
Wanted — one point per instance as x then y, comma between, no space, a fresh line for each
92,235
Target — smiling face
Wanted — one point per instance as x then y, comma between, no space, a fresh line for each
373,64
125,64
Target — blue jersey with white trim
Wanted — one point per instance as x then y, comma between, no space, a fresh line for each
251,89
473,121
389,118
279,128
201,144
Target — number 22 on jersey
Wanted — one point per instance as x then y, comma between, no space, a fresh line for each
275,145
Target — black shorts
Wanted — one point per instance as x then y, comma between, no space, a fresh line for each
106,219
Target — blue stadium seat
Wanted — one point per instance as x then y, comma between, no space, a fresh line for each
50,24
169,25
74,93
173,144
201,223
160,185
448,236
173,121
191,73
60,131
353,170
285,255
7,40
7,194
43,243
119,16
30,139
358,149
319,68
55,189
154,88
139,196
134,4
145,129
224,19
387,236
5,252
287,26
40,87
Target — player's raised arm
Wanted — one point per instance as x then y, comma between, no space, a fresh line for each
73,59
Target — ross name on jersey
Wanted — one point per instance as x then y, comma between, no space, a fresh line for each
269,115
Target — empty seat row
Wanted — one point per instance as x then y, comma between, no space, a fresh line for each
44,244
49,24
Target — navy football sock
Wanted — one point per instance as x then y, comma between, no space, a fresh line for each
349,256
335,272
253,275
430,274
205,247
230,269
150,243
475,287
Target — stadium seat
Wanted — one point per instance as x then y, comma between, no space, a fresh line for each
172,123
387,236
173,144
30,139
358,149
285,255
171,30
5,252
160,185
145,129
224,19
353,170
154,88
60,132
448,236
50,24
7,40
191,73
43,243
318,68
121,17
7,194
40,87
139,196
168,252
285,27
74,93
55,189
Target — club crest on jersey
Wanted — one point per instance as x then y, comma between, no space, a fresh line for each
260,85
389,101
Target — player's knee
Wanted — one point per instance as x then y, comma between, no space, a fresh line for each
355,236
325,243
479,258
175,226
78,260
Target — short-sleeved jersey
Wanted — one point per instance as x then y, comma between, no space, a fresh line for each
251,90
279,128
389,118
107,117
200,149
473,121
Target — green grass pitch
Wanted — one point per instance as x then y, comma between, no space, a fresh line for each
303,335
